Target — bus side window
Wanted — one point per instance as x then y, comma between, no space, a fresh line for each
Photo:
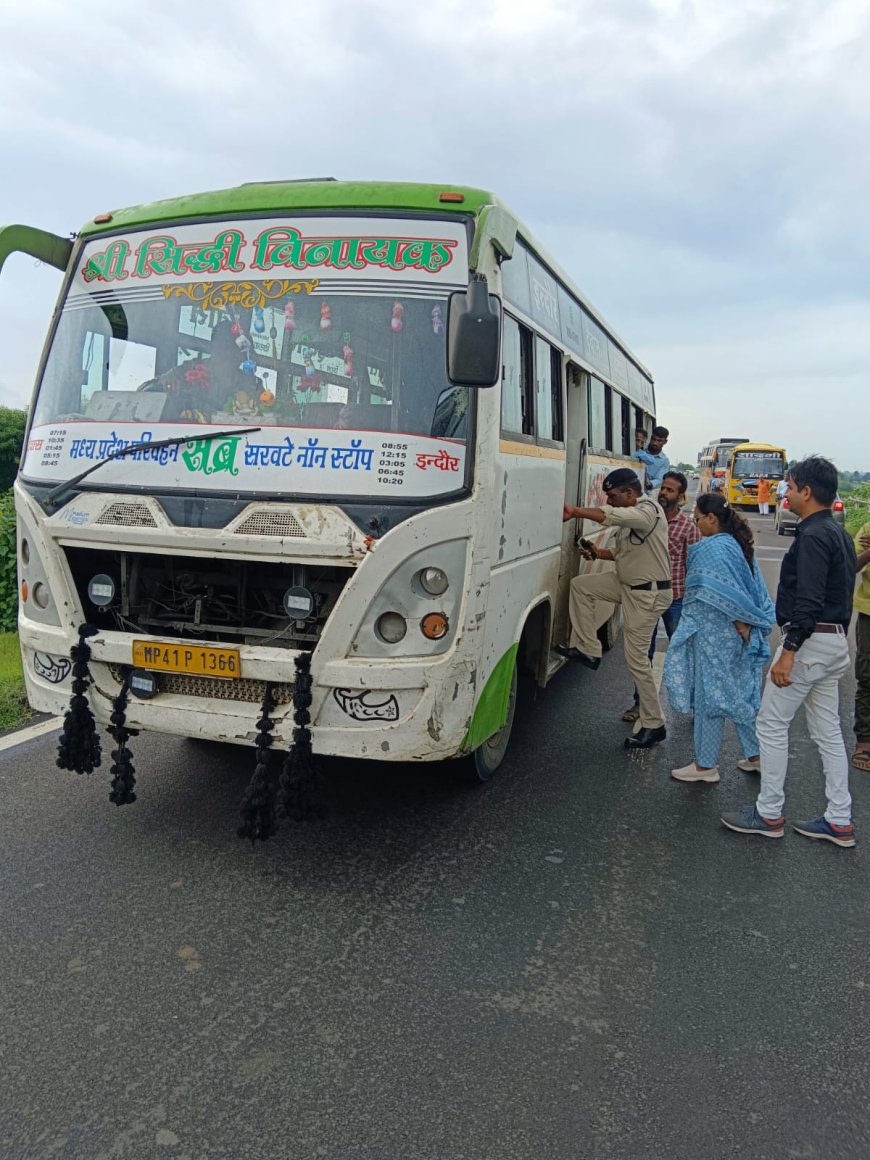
517,399
599,406
548,391
627,434
556,387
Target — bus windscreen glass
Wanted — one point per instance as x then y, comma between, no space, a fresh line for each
326,333
758,464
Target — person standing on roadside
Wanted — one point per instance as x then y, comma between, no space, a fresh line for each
764,497
682,533
715,661
813,608
641,583
861,756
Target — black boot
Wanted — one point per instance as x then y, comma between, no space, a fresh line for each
645,738
574,654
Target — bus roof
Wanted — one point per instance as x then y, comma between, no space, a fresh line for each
271,196
327,193
749,445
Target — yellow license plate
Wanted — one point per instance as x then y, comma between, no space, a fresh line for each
199,660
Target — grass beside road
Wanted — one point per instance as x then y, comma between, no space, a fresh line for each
14,709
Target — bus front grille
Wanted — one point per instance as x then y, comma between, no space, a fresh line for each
243,689
269,523
128,515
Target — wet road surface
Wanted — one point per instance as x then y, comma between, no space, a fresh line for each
576,961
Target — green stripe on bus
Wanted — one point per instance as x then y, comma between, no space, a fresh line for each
492,707
280,197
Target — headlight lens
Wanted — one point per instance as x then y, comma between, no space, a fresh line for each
41,596
434,581
101,590
391,627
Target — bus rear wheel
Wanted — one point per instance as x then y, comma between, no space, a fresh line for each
485,760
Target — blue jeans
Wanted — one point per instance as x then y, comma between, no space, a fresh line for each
670,618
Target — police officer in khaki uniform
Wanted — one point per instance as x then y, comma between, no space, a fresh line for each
641,584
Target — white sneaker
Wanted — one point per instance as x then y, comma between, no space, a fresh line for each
692,773
749,766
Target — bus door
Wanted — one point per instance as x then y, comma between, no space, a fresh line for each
576,427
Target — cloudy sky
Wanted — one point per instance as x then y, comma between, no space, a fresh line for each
700,167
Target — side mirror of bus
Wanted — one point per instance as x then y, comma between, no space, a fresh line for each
474,336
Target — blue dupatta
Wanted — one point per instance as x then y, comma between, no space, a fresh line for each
708,668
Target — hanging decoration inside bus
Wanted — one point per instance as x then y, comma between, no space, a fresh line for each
273,460
385,248
219,295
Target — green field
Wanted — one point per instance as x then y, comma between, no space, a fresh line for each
13,706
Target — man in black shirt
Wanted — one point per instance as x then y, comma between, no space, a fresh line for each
813,609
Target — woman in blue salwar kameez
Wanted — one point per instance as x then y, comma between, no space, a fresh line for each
715,660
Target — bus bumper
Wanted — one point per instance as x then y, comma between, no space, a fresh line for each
386,710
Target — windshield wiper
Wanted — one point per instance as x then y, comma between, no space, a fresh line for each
62,488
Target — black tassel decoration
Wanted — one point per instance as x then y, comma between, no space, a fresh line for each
258,804
298,797
123,773
79,746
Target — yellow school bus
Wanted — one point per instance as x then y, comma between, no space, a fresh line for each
748,463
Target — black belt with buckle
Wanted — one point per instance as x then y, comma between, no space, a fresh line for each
662,586
822,626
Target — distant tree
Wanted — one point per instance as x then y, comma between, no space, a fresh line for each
858,508
12,425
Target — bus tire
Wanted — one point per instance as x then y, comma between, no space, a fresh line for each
483,762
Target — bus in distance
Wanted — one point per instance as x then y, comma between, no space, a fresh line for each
713,464
747,464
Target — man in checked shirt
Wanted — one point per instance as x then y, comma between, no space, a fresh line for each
682,531
813,609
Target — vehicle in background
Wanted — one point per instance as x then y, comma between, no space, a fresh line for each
713,464
785,520
748,463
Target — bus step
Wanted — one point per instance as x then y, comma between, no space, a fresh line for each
554,663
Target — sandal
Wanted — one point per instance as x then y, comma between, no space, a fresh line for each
861,760
632,713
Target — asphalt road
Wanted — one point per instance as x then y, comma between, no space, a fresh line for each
576,961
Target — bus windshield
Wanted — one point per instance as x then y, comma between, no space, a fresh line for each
333,345
755,464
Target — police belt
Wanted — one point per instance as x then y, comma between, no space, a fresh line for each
648,586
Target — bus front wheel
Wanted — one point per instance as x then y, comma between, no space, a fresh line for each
485,760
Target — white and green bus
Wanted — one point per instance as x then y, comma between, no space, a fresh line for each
317,419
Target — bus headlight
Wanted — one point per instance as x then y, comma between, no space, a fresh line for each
41,595
434,581
391,627
101,590
299,603
417,610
